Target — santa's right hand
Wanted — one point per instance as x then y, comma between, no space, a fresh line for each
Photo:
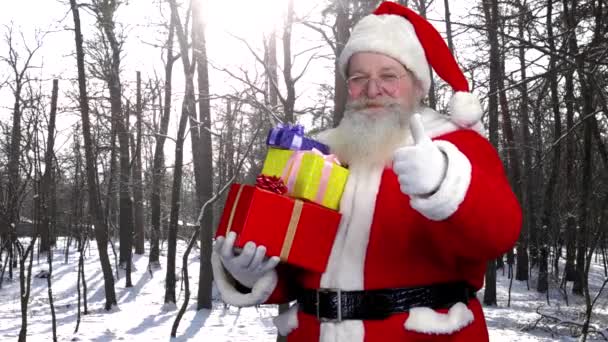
248,266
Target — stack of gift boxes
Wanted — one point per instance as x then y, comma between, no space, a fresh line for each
293,208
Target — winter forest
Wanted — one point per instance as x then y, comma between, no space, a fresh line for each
124,122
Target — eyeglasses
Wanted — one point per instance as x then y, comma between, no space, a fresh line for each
388,82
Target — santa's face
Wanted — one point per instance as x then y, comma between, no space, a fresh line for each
375,79
382,97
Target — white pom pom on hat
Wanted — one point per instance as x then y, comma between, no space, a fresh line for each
465,109
400,33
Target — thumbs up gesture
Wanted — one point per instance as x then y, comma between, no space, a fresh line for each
420,168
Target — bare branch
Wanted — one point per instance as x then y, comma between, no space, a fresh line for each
261,61
199,221
327,39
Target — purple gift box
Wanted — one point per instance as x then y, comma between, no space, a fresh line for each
292,137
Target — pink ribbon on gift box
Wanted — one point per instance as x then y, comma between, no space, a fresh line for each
292,167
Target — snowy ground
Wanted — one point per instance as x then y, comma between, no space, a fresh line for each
140,315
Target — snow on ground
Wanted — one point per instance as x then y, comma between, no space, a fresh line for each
140,315
513,323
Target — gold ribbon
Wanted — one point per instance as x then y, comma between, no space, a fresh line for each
233,210
291,229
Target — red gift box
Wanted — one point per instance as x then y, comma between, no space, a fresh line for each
300,233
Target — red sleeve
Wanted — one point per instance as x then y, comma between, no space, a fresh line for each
487,222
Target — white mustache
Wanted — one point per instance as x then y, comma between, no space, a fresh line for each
363,103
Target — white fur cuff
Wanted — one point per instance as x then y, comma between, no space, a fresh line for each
260,292
443,203
429,321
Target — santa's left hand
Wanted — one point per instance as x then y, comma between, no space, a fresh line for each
420,168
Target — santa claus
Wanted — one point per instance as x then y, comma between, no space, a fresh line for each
426,205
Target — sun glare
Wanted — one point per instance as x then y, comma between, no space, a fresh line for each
245,18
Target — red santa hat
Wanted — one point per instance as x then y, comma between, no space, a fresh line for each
402,34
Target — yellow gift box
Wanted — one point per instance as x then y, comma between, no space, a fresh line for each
308,175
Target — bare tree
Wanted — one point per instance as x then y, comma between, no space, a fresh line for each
570,8
80,230
193,238
138,194
422,6
549,212
188,110
19,68
346,14
159,159
105,11
46,198
204,155
101,229
491,22
25,282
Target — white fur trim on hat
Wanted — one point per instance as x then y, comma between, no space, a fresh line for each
391,35
443,203
429,321
261,291
465,109
287,321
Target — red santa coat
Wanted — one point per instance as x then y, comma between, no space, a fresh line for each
387,240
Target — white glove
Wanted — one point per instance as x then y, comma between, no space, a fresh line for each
247,267
420,168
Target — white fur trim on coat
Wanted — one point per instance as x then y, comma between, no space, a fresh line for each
260,292
465,109
287,321
391,35
443,203
346,264
429,321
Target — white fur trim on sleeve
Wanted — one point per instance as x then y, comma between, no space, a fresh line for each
287,321
429,321
445,201
260,292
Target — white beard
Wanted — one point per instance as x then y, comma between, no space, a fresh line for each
364,139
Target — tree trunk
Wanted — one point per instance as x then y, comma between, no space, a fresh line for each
569,271
587,97
513,156
158,169
106,20
492,31
45,232
101,230
206,154
342,33
448,25
14,183
111,195
549,212
272,78
138,193
529,187
175,202
25,282
227,161
289,102
46,199
188,110
422,8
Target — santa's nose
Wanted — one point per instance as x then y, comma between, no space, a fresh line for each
373,89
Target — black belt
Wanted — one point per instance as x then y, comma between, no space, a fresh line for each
336,305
